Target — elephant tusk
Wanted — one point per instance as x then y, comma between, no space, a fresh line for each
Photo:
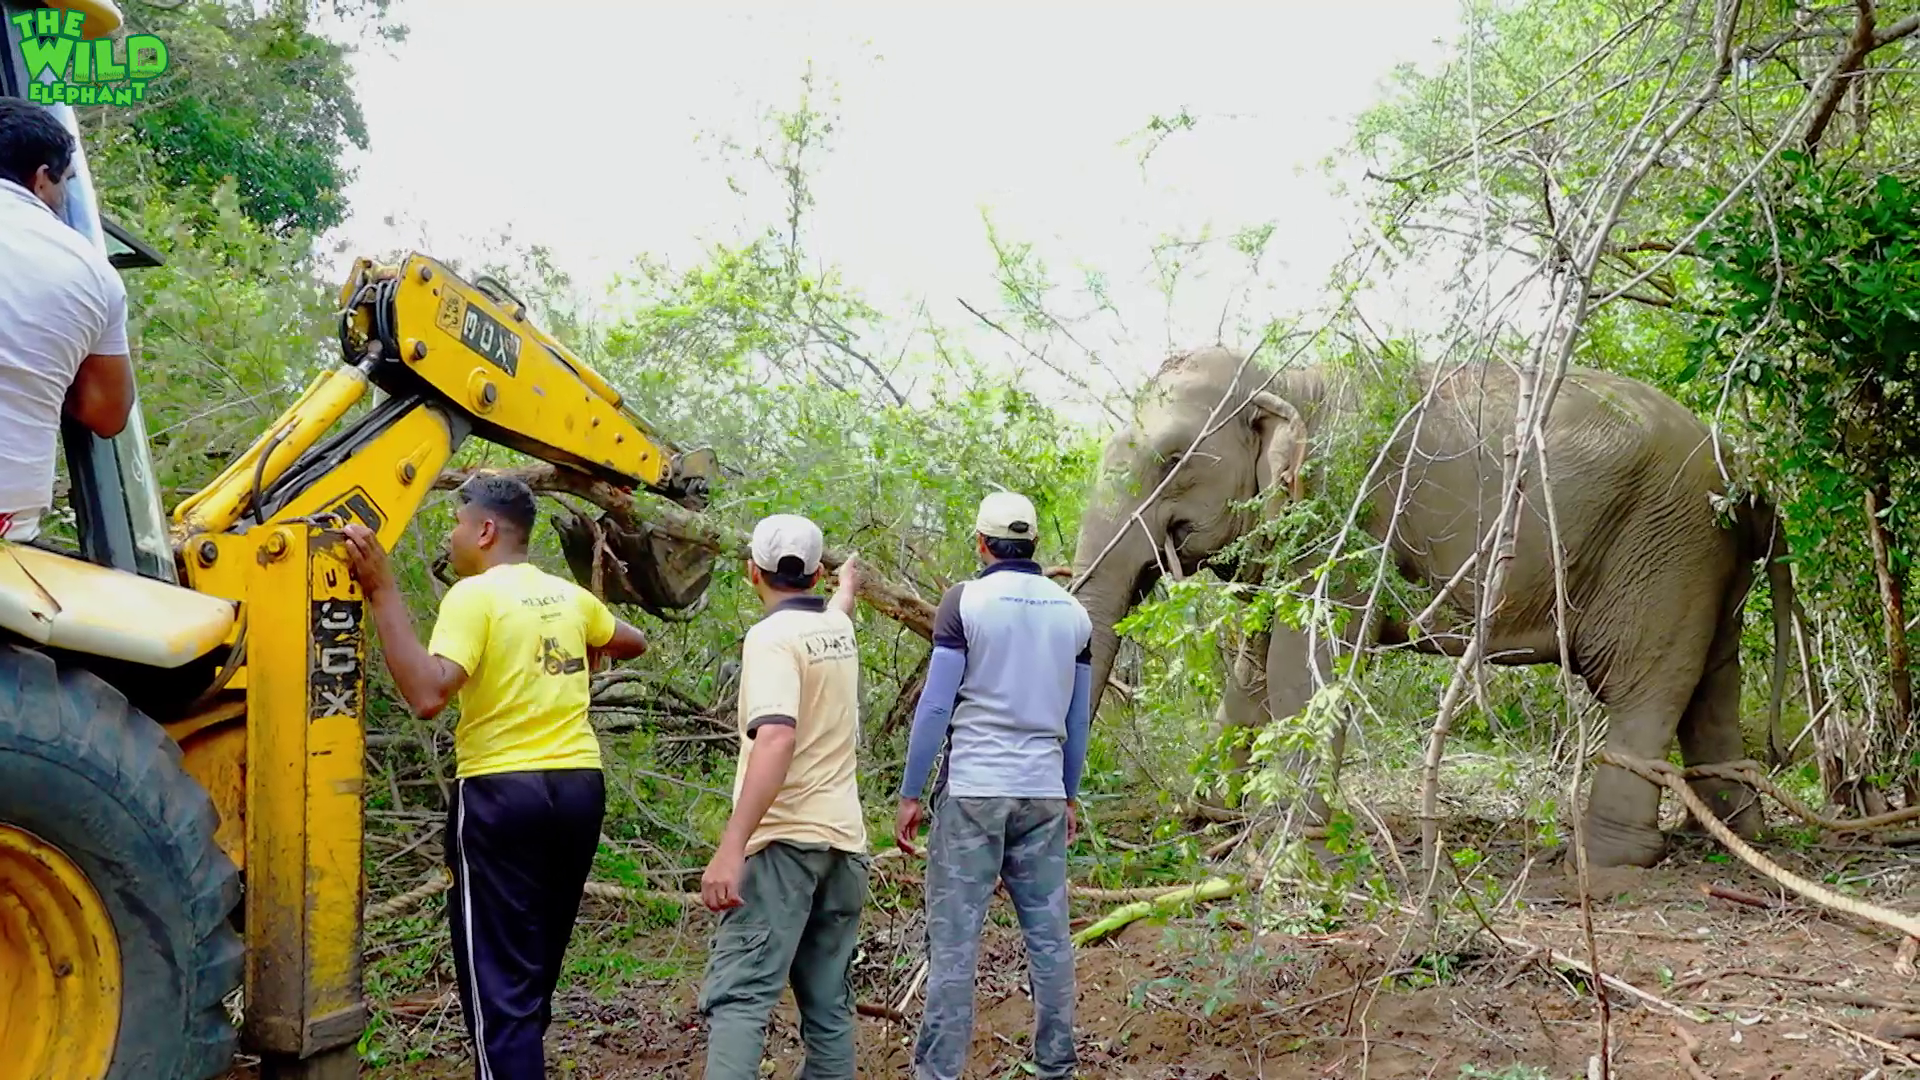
1173,559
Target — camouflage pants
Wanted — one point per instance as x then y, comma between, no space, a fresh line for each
977,843
799,923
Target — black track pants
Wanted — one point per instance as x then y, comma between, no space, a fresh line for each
519,846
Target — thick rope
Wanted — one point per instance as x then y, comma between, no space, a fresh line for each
436,884
1665,775
439,882
1750,773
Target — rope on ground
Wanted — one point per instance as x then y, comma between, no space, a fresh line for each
1751,774
1674,780
602,891
438,882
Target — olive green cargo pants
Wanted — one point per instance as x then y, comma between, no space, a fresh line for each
798,922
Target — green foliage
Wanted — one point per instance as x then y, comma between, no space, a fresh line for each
255,96
230,330
1819,279
1821,289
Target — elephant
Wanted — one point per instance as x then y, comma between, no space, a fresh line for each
1655,572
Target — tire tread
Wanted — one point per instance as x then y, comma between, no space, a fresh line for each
76,720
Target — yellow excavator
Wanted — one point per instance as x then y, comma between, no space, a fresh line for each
183,702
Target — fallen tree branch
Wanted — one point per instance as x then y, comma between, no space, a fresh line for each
1125,896
1662,774
890,598
1692,1057
1614,981
881,1012
440,882
1211,889
1765,903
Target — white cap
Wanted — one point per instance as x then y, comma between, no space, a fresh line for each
1007,515
784,536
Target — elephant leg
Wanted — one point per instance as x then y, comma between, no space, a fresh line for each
1646,691
1710,734
1623,811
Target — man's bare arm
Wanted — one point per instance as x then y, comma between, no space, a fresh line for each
101,396
848,592
427,681
627,642
766,774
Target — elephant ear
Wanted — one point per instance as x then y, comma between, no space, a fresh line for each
1280,445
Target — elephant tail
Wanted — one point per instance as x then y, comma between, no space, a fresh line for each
1770,538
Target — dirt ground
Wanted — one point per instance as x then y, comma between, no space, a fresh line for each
1760,986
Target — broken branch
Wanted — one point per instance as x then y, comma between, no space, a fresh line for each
894,600
1211,889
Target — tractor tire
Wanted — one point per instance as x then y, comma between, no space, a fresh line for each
102,784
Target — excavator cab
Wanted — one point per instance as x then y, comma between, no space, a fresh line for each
183,697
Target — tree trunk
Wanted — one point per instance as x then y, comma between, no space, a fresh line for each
1893,607
908,698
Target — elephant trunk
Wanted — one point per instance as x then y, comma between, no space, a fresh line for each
1113,576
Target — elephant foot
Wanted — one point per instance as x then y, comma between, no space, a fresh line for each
1613,843
1732,802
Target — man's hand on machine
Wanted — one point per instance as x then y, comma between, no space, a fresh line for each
368,560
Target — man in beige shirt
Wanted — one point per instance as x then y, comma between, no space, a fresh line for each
790,875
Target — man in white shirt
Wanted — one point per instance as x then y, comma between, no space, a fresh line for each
63,318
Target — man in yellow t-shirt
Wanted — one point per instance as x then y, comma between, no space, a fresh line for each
517,645
790,875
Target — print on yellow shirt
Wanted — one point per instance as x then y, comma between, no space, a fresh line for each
522,636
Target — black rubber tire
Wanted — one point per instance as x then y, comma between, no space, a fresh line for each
84,771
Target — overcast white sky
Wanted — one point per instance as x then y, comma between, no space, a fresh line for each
595,136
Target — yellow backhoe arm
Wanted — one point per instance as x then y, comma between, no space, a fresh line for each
453,359
432,340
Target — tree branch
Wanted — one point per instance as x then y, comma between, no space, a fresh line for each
1906,27
1846,67
892,599
1105,404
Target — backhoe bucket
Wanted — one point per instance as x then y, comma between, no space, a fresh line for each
646,567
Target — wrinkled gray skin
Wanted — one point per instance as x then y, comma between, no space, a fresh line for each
1655,582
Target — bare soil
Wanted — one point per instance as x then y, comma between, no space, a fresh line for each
1725,989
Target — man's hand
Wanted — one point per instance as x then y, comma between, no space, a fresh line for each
1073,823
720,885
848,592
907,825
368,559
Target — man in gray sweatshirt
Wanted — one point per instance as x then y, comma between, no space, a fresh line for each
1008,691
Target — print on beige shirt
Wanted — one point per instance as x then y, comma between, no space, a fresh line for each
804,664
